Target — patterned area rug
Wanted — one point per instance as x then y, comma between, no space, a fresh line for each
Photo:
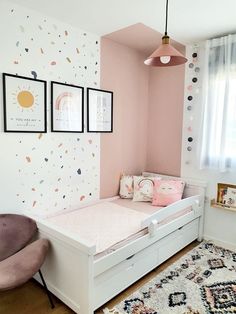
203,281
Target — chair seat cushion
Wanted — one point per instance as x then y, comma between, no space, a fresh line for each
15,232
20,267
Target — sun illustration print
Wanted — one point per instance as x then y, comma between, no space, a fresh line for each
25,98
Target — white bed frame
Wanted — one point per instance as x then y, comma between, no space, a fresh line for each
85,283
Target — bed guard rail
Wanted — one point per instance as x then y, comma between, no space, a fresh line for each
192,202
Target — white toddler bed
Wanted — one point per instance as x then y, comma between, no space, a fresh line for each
101,249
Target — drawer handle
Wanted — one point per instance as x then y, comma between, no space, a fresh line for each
130,267
130,257
180,228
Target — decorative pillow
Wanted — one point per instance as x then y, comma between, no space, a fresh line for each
126,187
143,188
166,192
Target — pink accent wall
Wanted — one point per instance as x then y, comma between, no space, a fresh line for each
124,150
166,98
148,108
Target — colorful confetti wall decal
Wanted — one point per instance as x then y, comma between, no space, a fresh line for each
34,74
28,159
48,172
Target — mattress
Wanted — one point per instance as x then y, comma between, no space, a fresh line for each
109,224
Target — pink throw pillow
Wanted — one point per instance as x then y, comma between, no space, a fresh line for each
166,192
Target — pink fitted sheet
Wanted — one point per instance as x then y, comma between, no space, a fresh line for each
110,224
145,207
103,224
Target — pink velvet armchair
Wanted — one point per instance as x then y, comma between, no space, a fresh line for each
20,260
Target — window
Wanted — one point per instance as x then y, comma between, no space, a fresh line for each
218,144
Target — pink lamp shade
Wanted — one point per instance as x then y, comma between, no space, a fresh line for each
165,55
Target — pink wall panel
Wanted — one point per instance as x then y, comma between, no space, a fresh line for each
148,110
166,96
124,150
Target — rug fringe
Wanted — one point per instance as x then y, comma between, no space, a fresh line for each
113,311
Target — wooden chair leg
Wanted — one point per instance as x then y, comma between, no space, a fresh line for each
46,289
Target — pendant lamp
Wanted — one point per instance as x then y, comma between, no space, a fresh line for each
165,55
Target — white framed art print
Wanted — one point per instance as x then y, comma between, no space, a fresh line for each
99,110
24,104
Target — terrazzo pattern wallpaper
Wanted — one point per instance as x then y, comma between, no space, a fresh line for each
44,173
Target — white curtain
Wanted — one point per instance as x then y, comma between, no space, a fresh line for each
218,127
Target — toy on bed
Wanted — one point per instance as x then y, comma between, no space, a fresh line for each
166,192
161,192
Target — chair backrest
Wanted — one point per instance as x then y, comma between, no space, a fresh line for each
15,232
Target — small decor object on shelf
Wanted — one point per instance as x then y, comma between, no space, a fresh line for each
99,110
221,192
226,194
67,105
230,197
226,197
24,104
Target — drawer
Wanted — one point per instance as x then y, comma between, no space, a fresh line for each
190,231
177,240
169,246
116,279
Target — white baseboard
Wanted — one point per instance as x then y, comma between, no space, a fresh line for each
227,245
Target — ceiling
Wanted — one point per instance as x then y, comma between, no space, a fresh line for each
189,20
141,38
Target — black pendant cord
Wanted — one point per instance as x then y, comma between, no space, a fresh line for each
167,4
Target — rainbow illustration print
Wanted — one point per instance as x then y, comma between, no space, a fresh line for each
67,108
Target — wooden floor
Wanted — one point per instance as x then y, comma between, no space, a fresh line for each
31,298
